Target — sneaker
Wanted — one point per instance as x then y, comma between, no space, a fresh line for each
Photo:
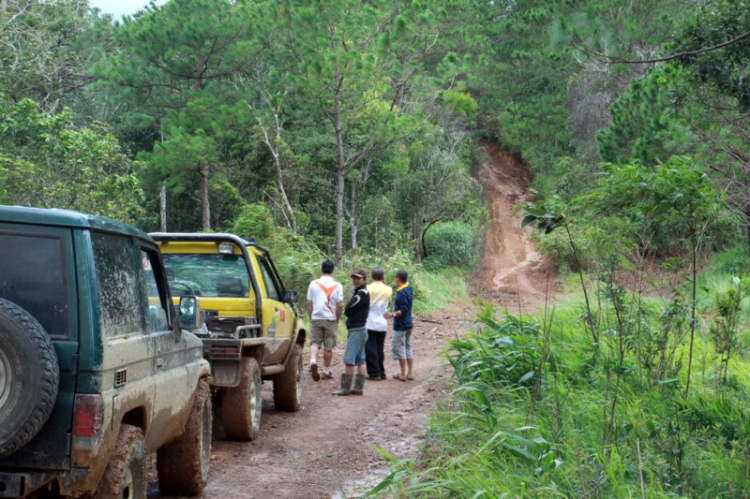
383,376
314,372
327,375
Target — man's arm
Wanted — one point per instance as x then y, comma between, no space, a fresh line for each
339,310
309,309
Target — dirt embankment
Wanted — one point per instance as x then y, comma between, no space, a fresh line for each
511,271
327,450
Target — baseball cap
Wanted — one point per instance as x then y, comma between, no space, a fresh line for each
361,273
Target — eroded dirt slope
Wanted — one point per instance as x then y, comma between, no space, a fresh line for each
511,272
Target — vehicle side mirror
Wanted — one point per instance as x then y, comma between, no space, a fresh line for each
191,314
291,296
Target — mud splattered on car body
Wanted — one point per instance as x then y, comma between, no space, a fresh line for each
122,367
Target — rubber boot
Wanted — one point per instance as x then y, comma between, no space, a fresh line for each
359,384
346,385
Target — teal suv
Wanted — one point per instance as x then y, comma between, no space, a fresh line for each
95,370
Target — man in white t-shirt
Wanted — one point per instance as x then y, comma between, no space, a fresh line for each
377,325
325,304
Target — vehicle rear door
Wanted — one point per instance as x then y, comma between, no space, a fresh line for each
37,266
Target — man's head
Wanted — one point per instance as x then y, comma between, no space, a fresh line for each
359,277
401,277
378,274
327,267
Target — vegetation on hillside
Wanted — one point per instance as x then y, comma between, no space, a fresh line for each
538,409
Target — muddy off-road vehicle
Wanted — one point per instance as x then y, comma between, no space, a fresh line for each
252,330
94,375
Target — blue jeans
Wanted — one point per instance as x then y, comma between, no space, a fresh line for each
354,355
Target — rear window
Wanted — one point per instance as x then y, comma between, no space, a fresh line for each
207,275
32,275
120,298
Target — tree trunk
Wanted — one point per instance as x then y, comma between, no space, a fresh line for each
339,217
163,208
424,236
353,215
289,215
694,244
206,204
290,211
340,174
416,233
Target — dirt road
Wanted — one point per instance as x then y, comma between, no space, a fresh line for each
326,450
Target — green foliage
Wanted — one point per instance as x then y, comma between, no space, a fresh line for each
506,352
48,161
44,50
435,290
462,103
719,21
254,221
644,124
501,432
674,201
726,323
451,244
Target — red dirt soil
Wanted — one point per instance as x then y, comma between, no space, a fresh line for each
327,449
511,271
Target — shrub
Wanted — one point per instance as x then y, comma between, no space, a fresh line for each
451,244
254,221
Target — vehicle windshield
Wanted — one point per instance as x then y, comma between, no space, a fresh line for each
207,275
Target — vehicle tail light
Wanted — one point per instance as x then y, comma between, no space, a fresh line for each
87,427
87,419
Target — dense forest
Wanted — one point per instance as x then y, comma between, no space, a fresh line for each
339,119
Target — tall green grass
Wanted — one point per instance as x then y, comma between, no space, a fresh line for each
530,414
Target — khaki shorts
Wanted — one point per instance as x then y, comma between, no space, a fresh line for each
324,333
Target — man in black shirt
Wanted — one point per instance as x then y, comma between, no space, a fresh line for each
356,321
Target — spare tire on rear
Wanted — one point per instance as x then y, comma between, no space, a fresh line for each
29,377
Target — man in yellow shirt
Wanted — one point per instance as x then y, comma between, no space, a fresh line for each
377,325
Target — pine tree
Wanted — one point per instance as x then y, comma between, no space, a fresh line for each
174,60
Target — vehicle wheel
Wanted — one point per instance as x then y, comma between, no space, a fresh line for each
183,465
29,377
287,386
241,406
126,476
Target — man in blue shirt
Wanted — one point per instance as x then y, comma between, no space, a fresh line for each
402,326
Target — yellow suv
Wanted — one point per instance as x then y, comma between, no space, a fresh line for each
252,330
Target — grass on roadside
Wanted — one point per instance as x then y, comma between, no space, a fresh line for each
531,413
